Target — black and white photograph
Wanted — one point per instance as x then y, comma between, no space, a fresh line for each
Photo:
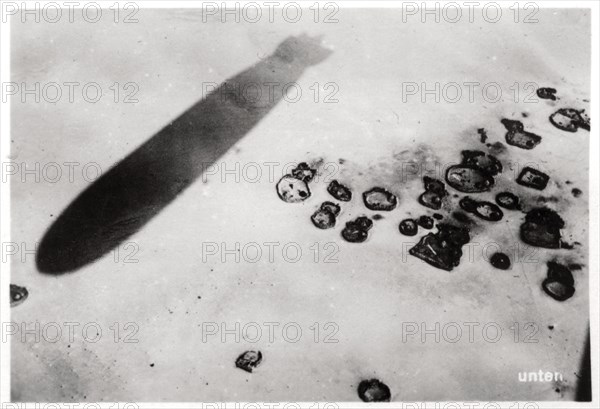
310,204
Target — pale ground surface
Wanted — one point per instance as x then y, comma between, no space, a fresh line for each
373,289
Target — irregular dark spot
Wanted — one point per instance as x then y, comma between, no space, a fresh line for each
377,217
332,207
364,223
550,327
373,390
341,161
546,93
557,290
508,200
478,159
468,204
559,272
569,246
18,294
497,148
575,266
408,227
488,211
151,365
461,217
524,114
356,231
304,172
425,222
542,228
323,219
500,261
482,135
442,249
292,190
435,191
570,120
484,210
438,216
379,199
517,136
533,178
576,192
339,191
249,360
468,179
547,199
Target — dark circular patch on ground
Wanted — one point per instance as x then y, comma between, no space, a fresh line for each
500,261
373,390
249,360
425,222
507,200
408,227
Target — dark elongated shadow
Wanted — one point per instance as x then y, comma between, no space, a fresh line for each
584,384
128,196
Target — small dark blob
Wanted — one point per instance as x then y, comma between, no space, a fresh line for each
304,172
377,217
431,200
507,200
468,179
488,211
151,365
292,190
438,216
339,191
570,120
435,191
575,266
517,136
408,227
559,272
323,219
547,199
434,185
363,223
478,159
468,204
542,228
341,161
18,294
379,199
482,135
425,222
569,246
353,234
557,290
373,390
332,207
484,210
533,178
356,231
550,327
249,360
576,192
500,261
546,93
524,114
442,249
